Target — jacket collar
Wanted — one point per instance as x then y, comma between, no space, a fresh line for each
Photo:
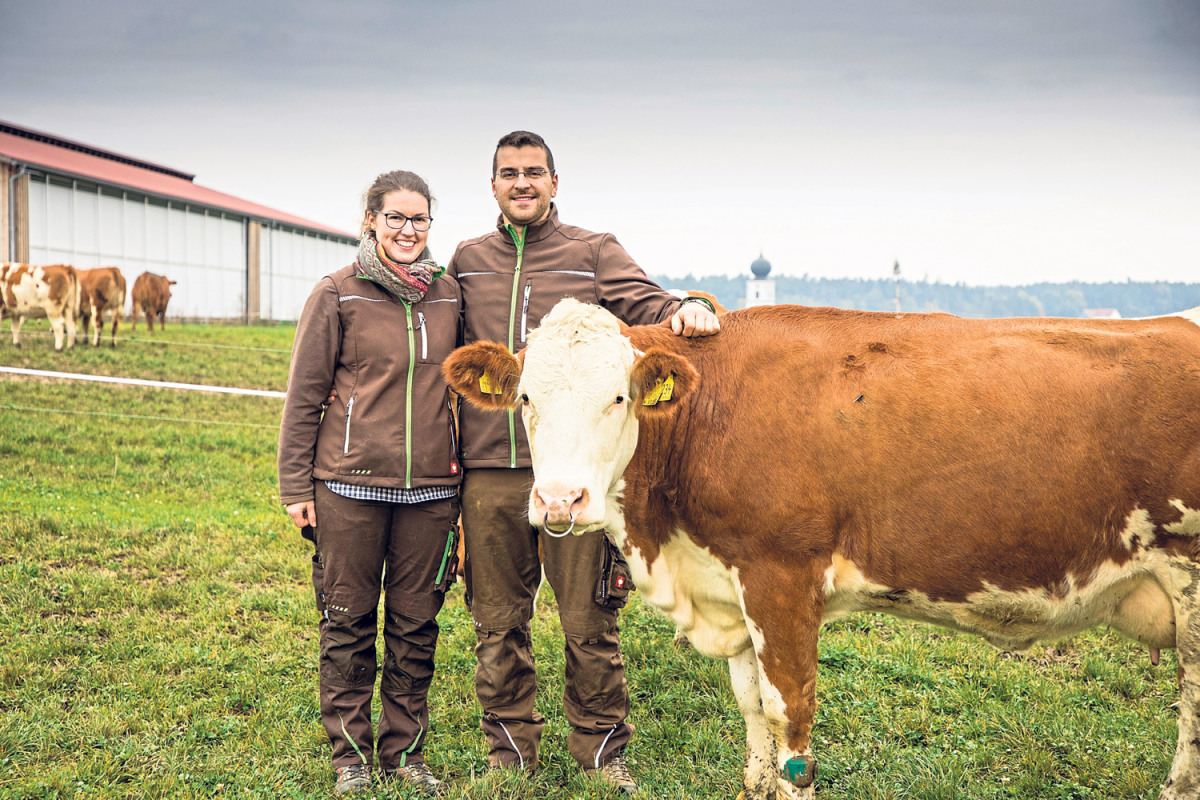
538,230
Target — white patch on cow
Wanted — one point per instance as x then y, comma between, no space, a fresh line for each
759,777
843,583
1189,525
33,295
1183,781
694,589
1130,597
1139,530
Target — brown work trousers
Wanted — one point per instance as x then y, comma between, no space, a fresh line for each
361,544
503,574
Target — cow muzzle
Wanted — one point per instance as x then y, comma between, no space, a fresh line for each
557,507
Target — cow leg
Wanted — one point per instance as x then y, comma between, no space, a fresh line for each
57,324
17,319
71,328
97,321
1183,781
759,776
116,322
783,627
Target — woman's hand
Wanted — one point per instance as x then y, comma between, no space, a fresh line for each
303,513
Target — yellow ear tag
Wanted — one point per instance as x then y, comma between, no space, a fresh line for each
485,385
661,392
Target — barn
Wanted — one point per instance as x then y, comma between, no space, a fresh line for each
63,202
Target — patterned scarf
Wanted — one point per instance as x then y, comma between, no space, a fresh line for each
407,282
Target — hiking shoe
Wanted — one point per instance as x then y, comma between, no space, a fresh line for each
419,777
616,773
352,778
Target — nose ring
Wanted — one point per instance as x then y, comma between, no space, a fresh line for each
551,532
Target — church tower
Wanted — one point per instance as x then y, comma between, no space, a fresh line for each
760,290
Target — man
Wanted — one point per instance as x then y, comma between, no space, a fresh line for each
510,278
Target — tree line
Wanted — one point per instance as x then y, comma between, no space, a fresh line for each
1131,298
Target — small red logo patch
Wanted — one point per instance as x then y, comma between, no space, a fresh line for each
453,468
620,582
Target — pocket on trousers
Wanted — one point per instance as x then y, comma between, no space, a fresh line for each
614,583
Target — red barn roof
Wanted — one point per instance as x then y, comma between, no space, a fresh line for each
59,155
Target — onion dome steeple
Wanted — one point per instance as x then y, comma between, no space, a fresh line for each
760,267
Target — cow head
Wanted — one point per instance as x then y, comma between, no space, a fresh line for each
581,388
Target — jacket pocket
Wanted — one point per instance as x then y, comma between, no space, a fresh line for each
525,311
349,413
451,401
424,337
435,330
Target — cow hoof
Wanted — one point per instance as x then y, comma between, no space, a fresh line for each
800,771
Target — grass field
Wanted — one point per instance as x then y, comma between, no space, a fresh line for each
158,635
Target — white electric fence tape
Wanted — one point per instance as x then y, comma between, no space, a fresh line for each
196,387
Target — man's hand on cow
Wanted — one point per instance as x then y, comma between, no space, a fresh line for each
694,319
303,513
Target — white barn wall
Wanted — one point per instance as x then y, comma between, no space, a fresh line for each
292,261
204,250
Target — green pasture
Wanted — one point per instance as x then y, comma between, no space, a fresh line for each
158,635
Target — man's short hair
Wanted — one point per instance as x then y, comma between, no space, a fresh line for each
523,139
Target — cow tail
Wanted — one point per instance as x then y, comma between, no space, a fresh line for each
73,305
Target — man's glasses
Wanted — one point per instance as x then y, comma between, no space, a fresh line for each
532,173
398,221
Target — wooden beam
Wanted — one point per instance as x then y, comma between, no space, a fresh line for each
253,279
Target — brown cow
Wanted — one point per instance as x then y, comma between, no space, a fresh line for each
1020,479
49,291
101,289
150,296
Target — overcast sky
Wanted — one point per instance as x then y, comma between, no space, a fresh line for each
1002,142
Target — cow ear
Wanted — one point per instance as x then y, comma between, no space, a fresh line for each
485,373
660,380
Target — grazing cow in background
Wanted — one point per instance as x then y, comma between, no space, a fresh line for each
150,295
50,291
101,289
1020,479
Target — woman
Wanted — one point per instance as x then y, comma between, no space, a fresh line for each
374,480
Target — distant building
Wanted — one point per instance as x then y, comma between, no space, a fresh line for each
63,202
760,290
1102,313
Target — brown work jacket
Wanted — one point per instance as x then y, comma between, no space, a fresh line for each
392,423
